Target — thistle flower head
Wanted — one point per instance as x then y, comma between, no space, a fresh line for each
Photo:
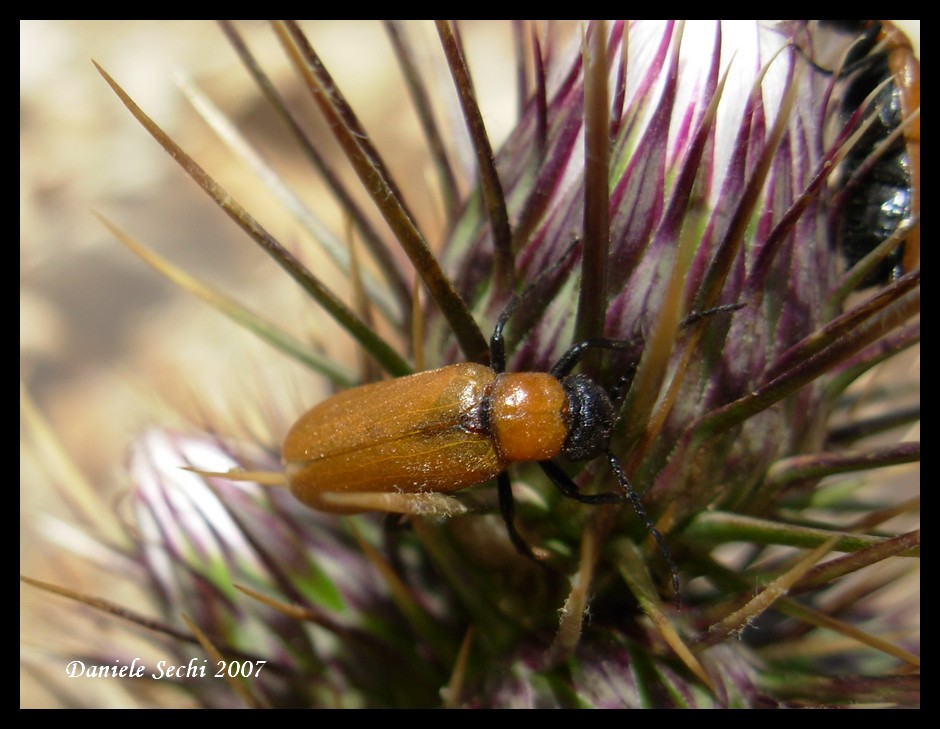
680,188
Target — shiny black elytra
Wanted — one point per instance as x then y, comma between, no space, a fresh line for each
880,179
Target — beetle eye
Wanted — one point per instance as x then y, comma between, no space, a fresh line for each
591,418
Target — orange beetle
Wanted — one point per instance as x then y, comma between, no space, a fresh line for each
433,432
404,445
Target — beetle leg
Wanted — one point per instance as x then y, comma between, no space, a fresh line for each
507,507
570,489
497,341
570,359
574,354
